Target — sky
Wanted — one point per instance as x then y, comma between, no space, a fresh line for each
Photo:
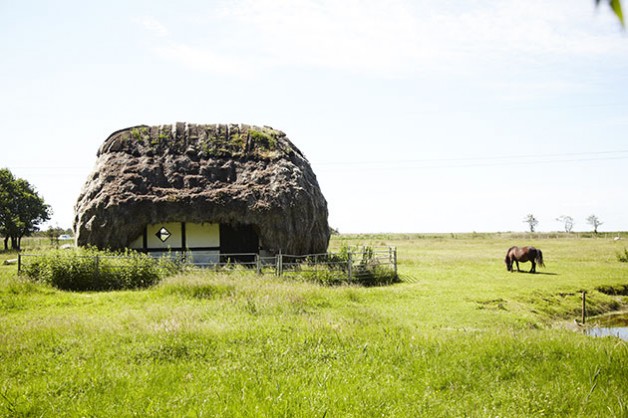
416,116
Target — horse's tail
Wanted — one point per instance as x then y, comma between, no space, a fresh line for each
539,258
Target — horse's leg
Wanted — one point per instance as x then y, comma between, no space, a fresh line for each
517,261
533,269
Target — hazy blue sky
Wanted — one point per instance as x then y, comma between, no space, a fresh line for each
417,116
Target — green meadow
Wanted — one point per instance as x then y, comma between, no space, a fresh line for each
458,337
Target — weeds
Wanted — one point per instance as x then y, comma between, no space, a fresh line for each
90,269
362,266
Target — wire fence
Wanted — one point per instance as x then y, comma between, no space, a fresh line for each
353,264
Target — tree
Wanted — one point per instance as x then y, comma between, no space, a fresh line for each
567,222
22,210
595,222
531,221
53,234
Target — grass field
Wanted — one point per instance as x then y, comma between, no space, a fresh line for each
460,336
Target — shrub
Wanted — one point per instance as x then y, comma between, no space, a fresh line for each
325,275
90,269
263,139
366,269
376,276
623,257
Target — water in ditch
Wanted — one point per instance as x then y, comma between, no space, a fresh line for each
610,326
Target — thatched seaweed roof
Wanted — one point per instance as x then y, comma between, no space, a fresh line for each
231,174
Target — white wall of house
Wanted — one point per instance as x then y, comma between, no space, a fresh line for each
137,243
180,236
202,235
200,242
173,240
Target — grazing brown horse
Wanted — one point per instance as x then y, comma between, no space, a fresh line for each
523,254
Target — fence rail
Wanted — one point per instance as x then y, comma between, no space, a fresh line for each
352,264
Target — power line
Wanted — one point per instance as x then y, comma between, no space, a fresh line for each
426,163
463,162
567,154
501,109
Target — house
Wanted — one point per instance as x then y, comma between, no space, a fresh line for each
204,189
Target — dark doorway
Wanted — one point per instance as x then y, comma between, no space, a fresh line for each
238,239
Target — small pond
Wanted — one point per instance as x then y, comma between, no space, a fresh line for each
610,326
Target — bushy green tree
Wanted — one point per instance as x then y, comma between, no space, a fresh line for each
22,210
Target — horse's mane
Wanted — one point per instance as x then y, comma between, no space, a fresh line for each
510,249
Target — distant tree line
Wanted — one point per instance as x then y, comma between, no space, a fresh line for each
22,210
55,234
567,221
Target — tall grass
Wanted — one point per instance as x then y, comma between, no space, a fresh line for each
92,269
460,337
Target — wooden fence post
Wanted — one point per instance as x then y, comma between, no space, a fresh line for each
395,260
349,264
584,306
97,269
279,264
258,264
19,263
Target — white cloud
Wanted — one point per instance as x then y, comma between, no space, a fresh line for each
526,91
535,27
153,25
389,38
204,59
357,36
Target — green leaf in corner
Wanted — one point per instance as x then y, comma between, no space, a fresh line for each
616,6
